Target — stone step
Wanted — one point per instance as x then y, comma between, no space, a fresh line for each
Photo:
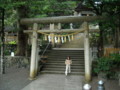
64,53
63,61
72,54
64,57
61,72
69,51
56,61
53,66
61,51
82,63
63,69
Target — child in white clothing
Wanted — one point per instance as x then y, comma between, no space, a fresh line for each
68,62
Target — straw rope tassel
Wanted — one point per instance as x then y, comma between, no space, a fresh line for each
52,37
49,38
62,39
45,37
72,37
69,38
58,39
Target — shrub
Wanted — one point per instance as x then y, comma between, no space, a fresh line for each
110,66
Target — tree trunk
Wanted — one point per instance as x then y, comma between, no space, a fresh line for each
116,37
22,38
22,43
100,42
117,34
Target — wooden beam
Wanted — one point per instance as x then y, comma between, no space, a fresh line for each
60,19
60,31
28,31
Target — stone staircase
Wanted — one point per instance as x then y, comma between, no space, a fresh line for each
78,42
56,61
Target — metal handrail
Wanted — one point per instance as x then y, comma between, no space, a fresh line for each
46,48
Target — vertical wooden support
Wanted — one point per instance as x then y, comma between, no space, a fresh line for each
71,25
75,13
33,52
59,26
87,53
52,27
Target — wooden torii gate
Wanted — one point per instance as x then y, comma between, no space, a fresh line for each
61,19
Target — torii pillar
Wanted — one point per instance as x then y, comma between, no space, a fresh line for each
87,53
33,70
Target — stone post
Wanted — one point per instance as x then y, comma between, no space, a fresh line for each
87,53
101,85
33,52
87,87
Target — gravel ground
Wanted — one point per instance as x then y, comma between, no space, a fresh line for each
17,79
14,79
109,84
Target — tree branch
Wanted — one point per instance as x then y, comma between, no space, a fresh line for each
92,4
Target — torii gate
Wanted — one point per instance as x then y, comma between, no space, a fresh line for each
61,19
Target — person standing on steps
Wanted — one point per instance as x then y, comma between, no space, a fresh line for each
68,62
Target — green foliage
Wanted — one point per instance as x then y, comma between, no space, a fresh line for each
36,8
94,39
108,65
52,8
111,9
11,17
12,43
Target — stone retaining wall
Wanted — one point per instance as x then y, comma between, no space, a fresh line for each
18,61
